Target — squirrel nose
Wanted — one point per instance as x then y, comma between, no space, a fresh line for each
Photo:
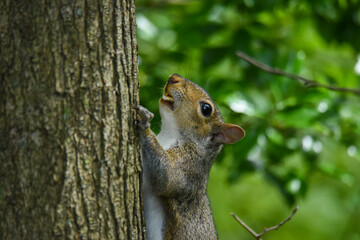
174,78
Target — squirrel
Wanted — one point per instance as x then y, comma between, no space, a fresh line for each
176,162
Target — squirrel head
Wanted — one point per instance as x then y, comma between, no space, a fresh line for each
190,110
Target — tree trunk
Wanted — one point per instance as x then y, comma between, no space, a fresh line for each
69,158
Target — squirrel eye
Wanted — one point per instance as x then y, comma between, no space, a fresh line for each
206,109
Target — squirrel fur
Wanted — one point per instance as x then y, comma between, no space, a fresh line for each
177,162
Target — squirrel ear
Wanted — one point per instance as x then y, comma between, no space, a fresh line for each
229,134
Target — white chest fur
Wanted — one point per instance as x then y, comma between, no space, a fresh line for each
154,215
154,212
169,134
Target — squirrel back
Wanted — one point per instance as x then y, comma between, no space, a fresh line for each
177,162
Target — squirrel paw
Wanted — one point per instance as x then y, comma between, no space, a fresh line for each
145,117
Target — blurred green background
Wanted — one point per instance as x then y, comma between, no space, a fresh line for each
302,144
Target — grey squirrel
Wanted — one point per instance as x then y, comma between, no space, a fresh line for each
177,162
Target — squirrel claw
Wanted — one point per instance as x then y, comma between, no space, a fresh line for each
145,117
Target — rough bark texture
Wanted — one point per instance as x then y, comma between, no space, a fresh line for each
69,161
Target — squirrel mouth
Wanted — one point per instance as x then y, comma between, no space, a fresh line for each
168,100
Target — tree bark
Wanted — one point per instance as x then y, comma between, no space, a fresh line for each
69,158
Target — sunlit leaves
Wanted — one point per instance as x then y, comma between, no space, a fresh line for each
289,127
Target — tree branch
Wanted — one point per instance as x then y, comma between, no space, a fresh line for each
249,229
307,82
259,235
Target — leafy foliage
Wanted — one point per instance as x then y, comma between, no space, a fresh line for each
300,141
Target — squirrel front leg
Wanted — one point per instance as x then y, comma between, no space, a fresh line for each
158,165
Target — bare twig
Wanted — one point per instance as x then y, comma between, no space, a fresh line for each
259,235
307,82
249,229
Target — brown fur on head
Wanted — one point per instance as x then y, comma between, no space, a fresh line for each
195,113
